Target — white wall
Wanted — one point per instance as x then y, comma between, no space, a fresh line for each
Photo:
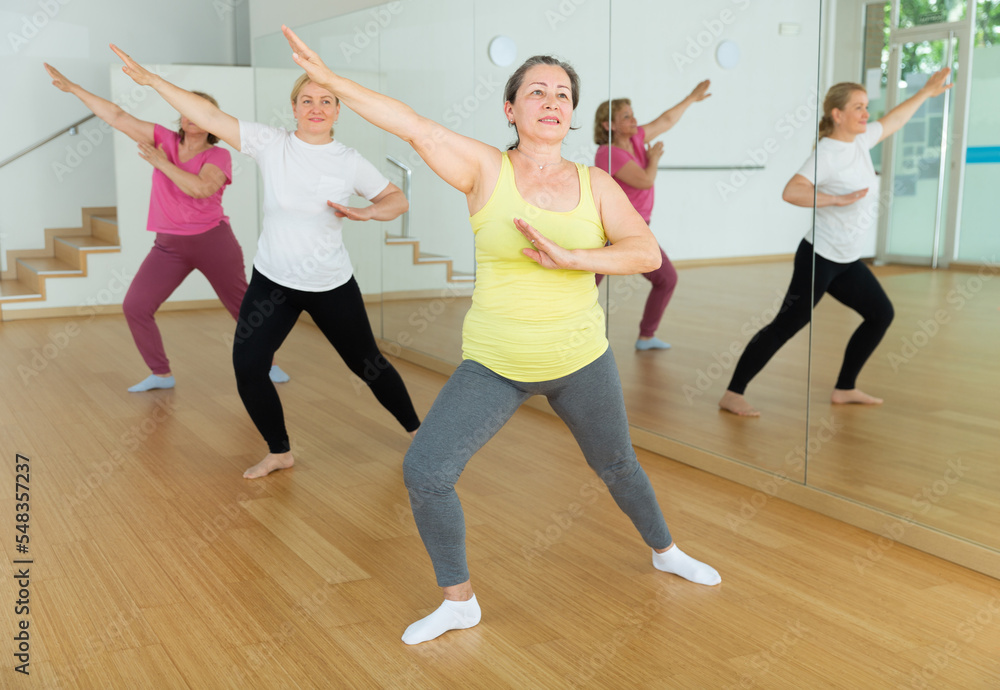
763,112
110,274
267,16
73,35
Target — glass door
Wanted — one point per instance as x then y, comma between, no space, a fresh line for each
916,179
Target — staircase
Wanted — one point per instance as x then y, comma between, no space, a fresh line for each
65,255
421,258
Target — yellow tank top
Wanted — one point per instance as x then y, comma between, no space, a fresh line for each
529,323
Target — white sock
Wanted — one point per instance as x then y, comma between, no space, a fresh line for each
152,382
675,561
651,344
451,615
277,375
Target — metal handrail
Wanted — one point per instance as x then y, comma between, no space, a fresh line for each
45,141
407,177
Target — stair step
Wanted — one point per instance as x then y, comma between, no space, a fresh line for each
105,228
89,243
460,277
427,258
399,239
49,266
14,291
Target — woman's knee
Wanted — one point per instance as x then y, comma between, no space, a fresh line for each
620,467
888,314
421,474
135,306
250,362
665,277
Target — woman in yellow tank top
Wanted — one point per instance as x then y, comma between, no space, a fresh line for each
535,326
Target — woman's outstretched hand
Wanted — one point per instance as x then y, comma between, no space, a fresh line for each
138,73
350,212
848,199
935,85
700,92
308,59
58,80
547,253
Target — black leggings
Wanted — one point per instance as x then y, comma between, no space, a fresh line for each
851,284
269,311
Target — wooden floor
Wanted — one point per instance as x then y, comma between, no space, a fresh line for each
928,454
156,565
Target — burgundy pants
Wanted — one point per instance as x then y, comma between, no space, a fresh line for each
664,280
215,253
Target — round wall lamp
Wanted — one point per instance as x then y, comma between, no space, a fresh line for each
727,55
502,51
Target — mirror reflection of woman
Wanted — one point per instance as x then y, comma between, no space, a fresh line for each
535,327
301,263
840,179
626,150
185,211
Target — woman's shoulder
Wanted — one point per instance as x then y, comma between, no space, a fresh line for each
599,178
163,134
218,152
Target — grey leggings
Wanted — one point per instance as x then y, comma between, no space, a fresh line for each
474,404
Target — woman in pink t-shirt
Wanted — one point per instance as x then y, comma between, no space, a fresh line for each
185,212
625,151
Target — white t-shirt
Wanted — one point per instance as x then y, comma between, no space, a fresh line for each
301,245
844,167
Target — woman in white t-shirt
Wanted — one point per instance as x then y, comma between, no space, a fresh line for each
840,179
301,263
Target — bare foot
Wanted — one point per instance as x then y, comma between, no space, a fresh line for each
272,462
855,395
738,405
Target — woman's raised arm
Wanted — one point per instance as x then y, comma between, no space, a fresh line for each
195,108
458,160
138,130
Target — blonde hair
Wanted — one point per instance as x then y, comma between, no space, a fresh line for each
300,84
606,112
212,139
837,97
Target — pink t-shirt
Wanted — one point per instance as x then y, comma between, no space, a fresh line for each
642,199
172,211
